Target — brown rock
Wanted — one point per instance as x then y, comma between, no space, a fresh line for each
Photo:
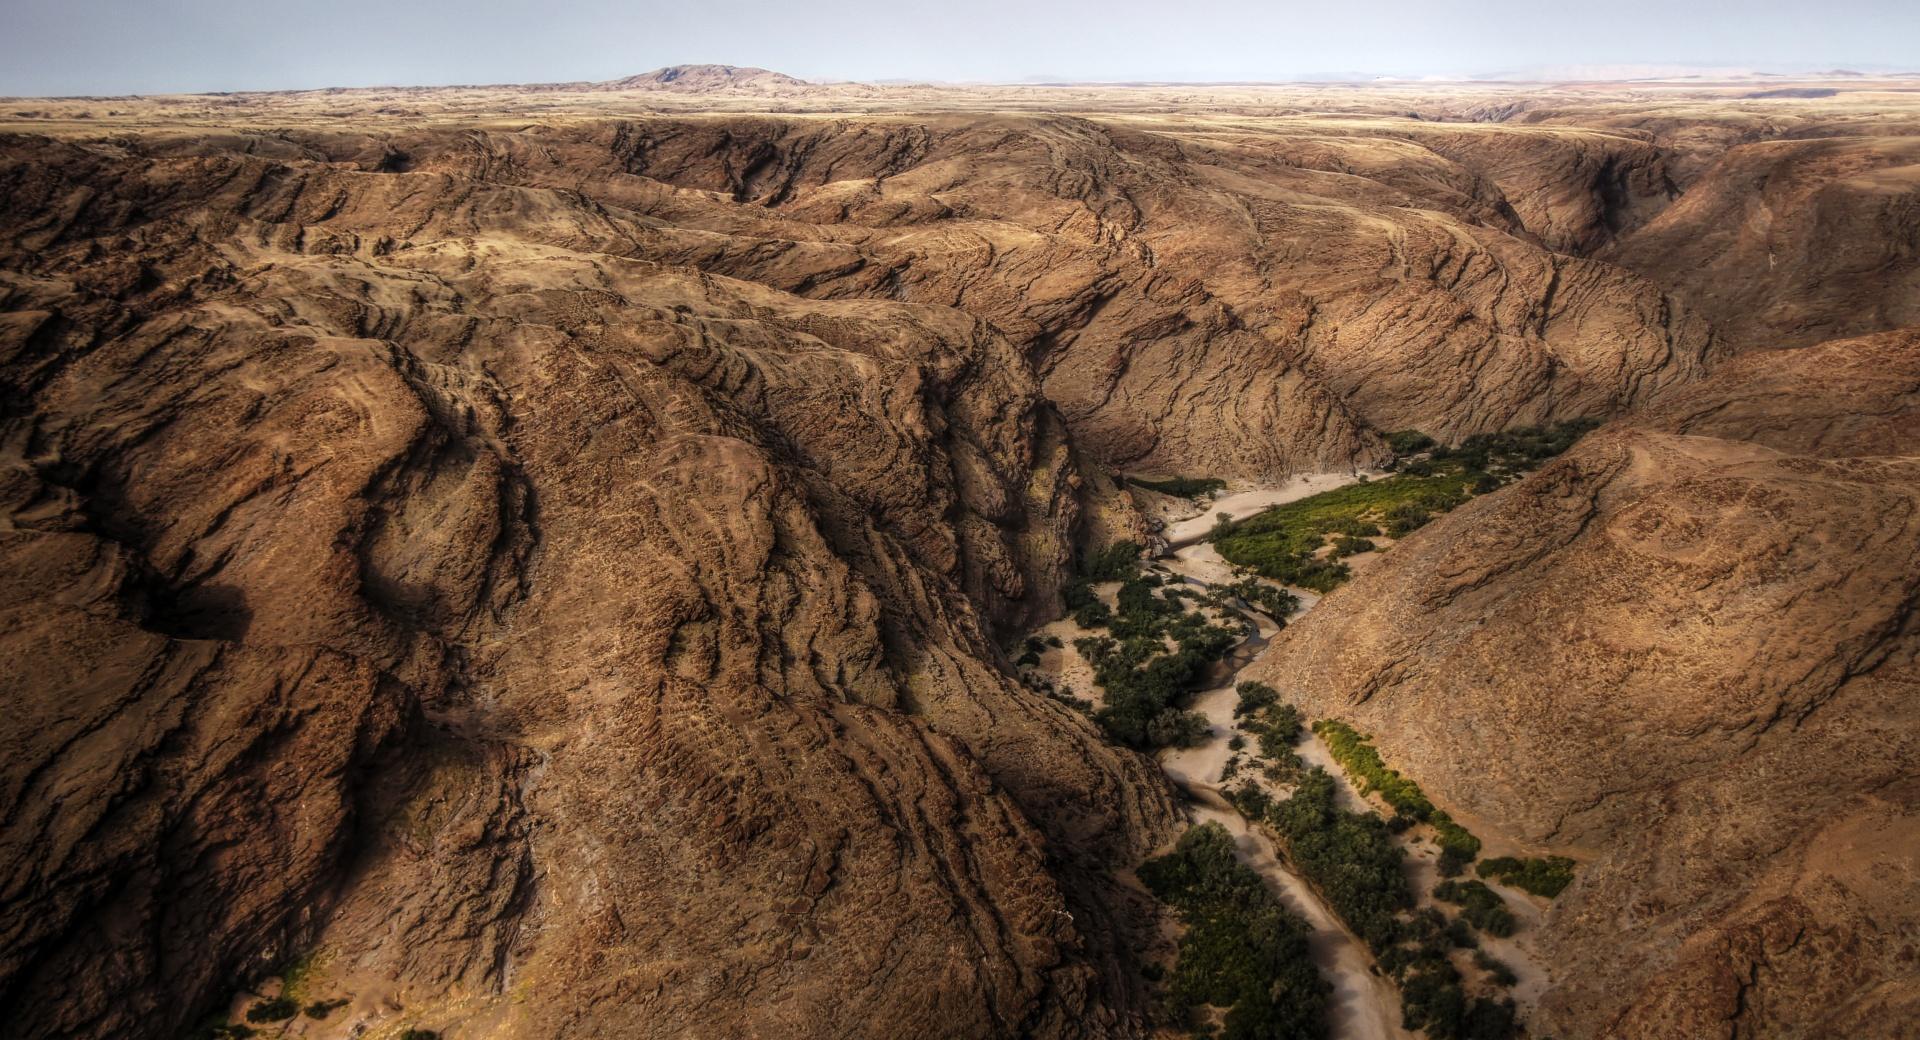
1683,654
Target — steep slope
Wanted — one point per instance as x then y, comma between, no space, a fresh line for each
1574,189
1686,654
390,572
1787,243
1214,298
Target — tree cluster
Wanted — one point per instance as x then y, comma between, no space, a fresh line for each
1242,951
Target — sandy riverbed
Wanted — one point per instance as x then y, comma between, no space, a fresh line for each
1244,502
1364,1004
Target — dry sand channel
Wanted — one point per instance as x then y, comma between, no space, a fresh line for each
1363,1005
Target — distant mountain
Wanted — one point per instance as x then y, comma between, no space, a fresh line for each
706,79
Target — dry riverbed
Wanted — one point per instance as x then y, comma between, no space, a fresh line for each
1364,1005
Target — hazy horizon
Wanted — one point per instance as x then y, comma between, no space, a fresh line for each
69,47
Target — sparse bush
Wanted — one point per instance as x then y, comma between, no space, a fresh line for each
1349,546
1116,562
1407,442
1175,728
276,1009
323,1008
1548,876
1480,906
1497,971
1254,695
1092,614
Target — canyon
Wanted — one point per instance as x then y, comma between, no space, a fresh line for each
553,560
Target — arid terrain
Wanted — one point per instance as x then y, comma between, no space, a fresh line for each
554,561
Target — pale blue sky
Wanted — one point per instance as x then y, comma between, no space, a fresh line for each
149,46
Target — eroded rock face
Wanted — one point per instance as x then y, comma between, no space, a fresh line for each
395,570
1787,243
553,562
1198,299
1684,653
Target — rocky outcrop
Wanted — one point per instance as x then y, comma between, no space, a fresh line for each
1787,243
405,567
1209,302
1574,189
1684,654
553,563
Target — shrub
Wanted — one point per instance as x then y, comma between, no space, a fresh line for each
1278,604
1349,546
323,1008
1548,876
277,1009
1116,562
1460,934
1406,442
1496,969
1092,614
1175,728
1480,906
1458,846
1254,695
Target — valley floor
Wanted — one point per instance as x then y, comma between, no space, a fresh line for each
1364,1004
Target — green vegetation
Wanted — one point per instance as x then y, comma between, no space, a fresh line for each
1116,562
1281,543
277,1009
1432,994
1284,543
1276,603
1254,696
1144,680
1092,614
1352,860
1548,876
1481,906
419,1034
1496,969
1357,755
1242,950
323,1008
1347,545
1407,442
1181,487
1523,448
1350,857
218,1028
